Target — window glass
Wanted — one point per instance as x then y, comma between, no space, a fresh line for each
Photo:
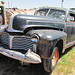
71,17
0,10
57,14
0,17
42,12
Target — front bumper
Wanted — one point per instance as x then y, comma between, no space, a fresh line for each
28,57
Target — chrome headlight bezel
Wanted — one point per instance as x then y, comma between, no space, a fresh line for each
35,38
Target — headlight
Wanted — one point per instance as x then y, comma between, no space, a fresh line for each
35,38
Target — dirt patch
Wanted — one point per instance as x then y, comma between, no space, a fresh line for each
11,67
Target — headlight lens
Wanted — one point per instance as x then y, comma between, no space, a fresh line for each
35,38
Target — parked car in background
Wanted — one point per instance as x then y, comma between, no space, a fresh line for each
39,38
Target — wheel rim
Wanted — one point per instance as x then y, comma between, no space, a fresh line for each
54,58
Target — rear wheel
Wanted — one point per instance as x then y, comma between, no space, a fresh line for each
51,62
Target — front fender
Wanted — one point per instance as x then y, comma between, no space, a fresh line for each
48,34
48,40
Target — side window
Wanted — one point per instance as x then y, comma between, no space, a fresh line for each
71,17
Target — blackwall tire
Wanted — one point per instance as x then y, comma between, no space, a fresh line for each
50,63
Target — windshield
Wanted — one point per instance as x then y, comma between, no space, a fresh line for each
54,13
42,12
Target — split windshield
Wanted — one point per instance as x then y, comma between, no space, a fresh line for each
42,12
53,13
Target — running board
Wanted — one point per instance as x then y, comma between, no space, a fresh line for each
70,44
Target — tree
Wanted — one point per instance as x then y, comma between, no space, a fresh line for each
72,8
44,7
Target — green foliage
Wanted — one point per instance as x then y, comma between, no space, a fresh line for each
43,7
72,8
66,64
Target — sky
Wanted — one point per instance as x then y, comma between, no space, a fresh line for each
29,4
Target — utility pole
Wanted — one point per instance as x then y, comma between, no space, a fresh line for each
62,3
8,4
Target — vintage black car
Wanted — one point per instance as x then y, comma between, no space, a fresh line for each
39,38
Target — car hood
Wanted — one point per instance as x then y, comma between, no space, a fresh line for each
22,22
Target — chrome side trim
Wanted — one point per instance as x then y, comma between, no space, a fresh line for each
70,44
12,30
29,57
3,27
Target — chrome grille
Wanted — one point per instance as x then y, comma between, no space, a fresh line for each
5,38
22,43
16,41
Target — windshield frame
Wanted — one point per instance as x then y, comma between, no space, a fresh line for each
60,9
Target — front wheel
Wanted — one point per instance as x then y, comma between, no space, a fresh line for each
51,62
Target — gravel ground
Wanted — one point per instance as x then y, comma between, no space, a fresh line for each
9,66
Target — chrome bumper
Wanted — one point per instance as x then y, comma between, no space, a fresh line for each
29,57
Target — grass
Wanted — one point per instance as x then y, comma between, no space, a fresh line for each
66,63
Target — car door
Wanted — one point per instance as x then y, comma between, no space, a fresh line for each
70,27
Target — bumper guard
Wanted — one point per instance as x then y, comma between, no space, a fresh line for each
28,57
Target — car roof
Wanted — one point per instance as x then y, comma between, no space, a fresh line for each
54,8
58,8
